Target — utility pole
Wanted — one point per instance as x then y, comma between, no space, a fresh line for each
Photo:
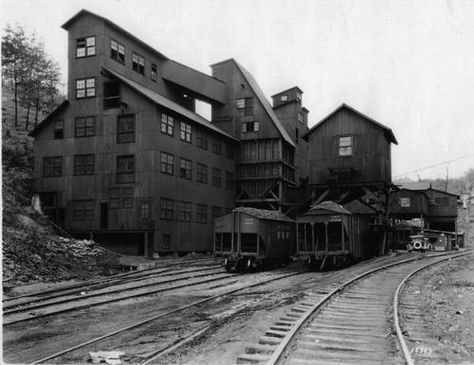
446,183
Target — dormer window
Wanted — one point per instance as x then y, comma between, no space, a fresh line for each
117,51
85,47
345,146
138,64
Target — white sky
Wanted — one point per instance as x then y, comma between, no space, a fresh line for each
407,64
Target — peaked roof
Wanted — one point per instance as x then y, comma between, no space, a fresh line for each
388,132
327,207
266,104
49,118
167,103
112,25
264,214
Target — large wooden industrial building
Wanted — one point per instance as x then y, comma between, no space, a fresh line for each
128,161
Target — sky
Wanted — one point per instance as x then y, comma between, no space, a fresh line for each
407,64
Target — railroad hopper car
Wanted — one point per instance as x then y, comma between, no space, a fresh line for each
251,238
330,236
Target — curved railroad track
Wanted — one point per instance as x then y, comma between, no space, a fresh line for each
348,322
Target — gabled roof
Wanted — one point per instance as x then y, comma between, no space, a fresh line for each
161,100
49,118
266,104
388,132
112,25
423,187
327,207
274,215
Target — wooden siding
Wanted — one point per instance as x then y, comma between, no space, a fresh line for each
418,204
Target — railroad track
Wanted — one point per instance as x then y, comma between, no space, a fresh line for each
348,322
61,356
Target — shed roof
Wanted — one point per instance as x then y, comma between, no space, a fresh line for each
49,118
167,103
274,215
327,207
388,132
112,25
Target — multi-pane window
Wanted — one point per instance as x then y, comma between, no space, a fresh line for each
166,208
59,129
84,164
185,168
145,210
441,201
167,124
216,146
345,146
201,213
300,117
201,137
52,166
122,197
250,127
184,211
284,98
167,163
229,180
85,88
125,169
405,202
138,64
216,177
185,132
216,212
117,51
126,128
246,104
201,175
84,126
85,47
82,210
153,72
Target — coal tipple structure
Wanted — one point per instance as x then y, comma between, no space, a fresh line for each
127,161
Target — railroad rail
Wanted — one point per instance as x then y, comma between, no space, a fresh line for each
345,322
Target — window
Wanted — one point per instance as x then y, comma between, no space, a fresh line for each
216,146
405,202
138,64
85,47
84,164
345,146
185,132
216,177
216,212
84,127
125,169
167,124
82,210
201,139
166,208
185,168
153,72
250,127
184,211
117,51
166,241
300,117
126,128
246,104
229,180
201,213
52,166
145,211
297,134
85,88
201,173
122,197
299,97
284,98
441,201
167,163
59,129
111,94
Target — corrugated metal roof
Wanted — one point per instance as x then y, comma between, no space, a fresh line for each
327,207
266,104
274,215
161,100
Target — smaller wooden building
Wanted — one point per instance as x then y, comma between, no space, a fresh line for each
330,230
256,234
